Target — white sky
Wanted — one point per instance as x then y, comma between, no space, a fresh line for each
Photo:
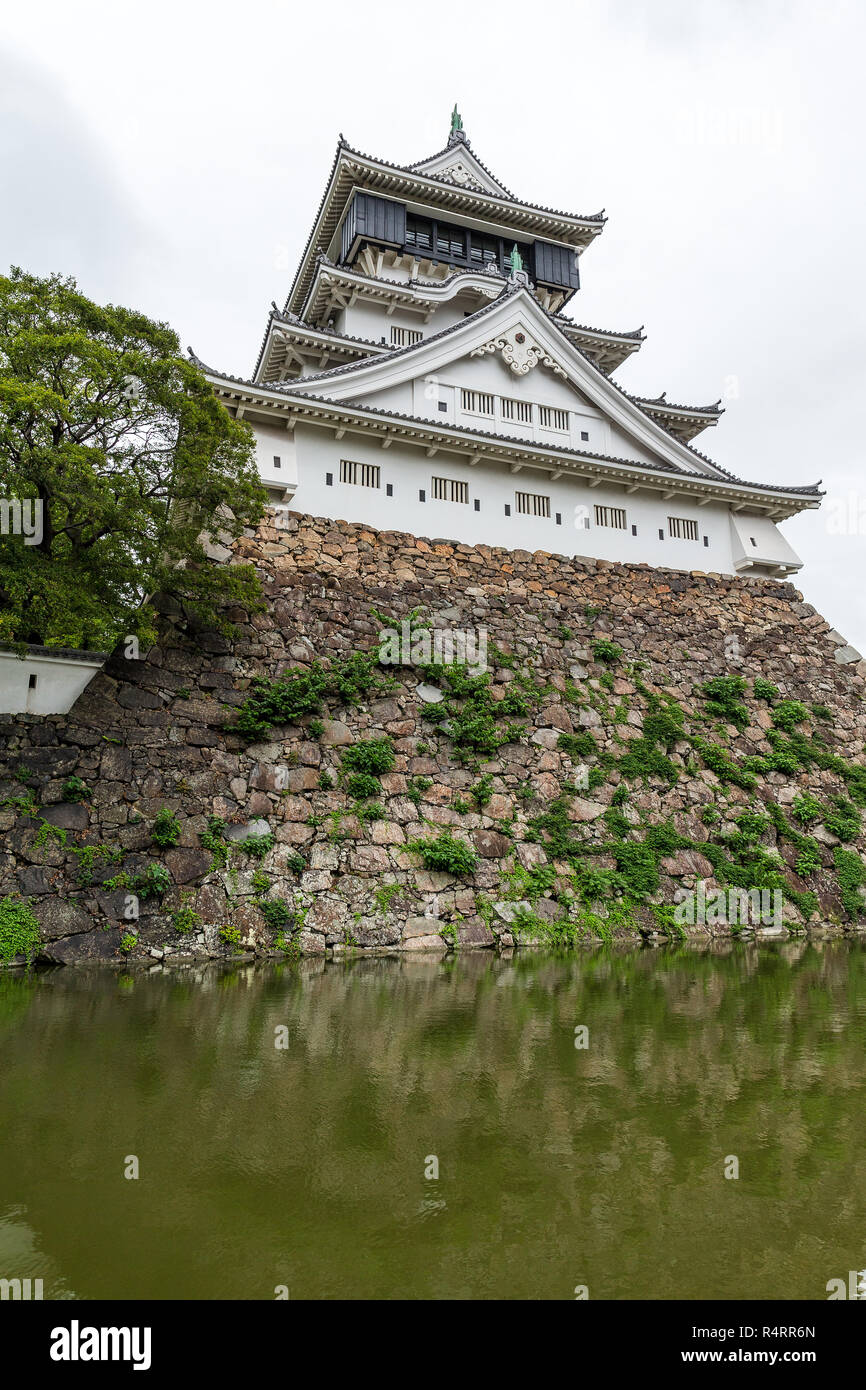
171,156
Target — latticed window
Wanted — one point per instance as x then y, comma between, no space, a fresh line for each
552,419
449,490
362,474
521,411
532,503
450,241
610,516
419,233
485,249
476,402
402,337
682,529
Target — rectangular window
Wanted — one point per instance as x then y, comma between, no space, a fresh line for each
277,462
485,249
419,233
476,402
362,474
507,509
559,518
389,489
422,495
521,411
532,503
450,241
682,529
610,516
404,337
329,480
584,434
550,419
449,490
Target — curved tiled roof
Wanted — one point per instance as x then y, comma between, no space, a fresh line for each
567,324
292,392
343,147
293,322
510,288
662,403
409,286
410,169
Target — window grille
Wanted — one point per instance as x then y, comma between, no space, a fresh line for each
476,402
521,411
551,419
682,529
404,337
362,474
449,490
610,516
532,503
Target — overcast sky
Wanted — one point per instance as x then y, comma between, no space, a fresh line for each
171,156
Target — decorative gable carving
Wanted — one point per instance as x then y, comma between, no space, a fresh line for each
459,174
520,352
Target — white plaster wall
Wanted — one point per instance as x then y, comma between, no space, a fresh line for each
491,375
58,683
275,442
409,470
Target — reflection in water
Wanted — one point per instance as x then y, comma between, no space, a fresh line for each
35,1276
305,1165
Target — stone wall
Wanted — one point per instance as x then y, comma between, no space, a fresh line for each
151,733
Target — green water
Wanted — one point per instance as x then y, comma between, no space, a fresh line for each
558,1166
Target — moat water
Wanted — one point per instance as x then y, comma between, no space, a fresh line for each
312,1167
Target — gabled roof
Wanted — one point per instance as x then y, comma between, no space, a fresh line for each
684,421
289,328
514,310
353,169
607,349
457,162
293,405
424,295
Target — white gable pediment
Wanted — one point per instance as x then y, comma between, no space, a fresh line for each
516,331
458,165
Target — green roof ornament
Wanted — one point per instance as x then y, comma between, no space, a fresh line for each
516,261
456,120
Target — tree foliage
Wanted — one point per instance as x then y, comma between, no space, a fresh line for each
134,462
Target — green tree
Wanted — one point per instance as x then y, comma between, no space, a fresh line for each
134,462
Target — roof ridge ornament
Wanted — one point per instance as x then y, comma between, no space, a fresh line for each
457,134
518,278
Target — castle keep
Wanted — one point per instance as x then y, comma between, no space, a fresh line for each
426,374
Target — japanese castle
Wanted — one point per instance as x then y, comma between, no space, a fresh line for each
424,375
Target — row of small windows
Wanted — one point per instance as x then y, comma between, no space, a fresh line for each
549,417
434,238
525,503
